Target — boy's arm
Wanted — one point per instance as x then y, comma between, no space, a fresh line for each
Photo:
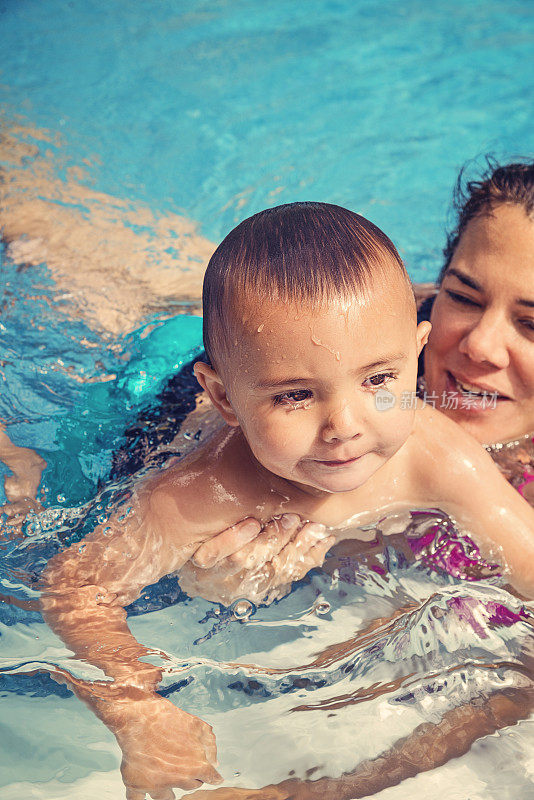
85,589
457,475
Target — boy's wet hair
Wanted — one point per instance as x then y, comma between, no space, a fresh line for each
308,253
498,185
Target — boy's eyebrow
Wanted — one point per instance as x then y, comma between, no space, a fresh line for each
468,281
283,382
381,362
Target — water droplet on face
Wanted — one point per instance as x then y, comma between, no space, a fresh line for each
261,327
321,608
242,609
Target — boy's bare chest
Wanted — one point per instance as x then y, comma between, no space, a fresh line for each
389,488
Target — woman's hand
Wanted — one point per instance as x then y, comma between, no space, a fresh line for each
163,747
260,564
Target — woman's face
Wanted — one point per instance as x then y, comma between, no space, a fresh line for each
479,359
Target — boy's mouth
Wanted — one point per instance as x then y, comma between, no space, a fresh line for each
338,462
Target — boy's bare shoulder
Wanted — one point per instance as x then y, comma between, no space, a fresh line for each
439,445
194,498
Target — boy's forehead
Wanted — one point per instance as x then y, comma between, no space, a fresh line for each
383,314
261,314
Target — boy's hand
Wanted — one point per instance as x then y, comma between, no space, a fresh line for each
259,564
163,747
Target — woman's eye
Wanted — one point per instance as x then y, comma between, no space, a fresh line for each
293,398
376,381
528,324
462,299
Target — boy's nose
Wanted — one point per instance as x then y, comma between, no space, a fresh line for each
343,424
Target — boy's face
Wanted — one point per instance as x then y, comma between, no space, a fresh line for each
307,387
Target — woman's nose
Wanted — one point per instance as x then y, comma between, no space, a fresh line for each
343,423
485,342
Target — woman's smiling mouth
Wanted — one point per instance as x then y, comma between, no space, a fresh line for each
473,396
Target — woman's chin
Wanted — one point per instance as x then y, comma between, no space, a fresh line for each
493,425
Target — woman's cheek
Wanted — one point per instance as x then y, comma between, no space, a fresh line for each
448,327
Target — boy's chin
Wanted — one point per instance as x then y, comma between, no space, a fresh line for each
338,487
342,480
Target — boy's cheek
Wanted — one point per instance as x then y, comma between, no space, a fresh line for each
281,442
395,425
402,426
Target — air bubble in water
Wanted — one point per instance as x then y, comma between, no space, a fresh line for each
242,609
321,607
60,498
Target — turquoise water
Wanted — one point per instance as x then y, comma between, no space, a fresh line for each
221,109
216,110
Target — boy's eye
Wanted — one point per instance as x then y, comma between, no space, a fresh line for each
376,381
293,398
462,299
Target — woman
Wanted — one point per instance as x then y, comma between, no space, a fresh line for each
482,338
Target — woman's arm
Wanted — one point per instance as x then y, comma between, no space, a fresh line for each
27,467
429,746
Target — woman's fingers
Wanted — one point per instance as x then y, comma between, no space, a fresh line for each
229,541
305,552
271,541
318,553
309,535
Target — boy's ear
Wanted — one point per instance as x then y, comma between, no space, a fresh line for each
423,332
213,385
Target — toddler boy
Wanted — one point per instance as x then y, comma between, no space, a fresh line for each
311,334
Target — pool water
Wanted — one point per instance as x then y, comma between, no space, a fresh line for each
139,134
